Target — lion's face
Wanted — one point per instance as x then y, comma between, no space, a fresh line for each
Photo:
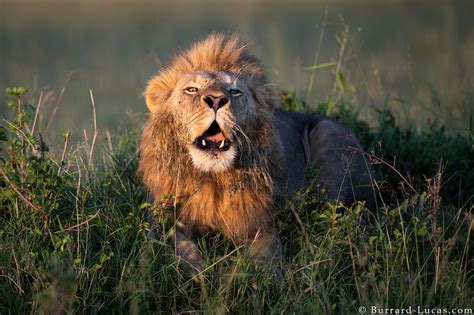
213,108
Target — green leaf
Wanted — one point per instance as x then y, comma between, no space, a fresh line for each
145,205
16,91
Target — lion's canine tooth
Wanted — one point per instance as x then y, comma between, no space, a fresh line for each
203,142
222,144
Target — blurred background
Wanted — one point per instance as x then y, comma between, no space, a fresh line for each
414,57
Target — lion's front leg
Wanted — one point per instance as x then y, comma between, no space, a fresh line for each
265,248
186,252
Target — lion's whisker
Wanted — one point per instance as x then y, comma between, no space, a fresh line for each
247,139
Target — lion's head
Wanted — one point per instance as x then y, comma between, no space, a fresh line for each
218,103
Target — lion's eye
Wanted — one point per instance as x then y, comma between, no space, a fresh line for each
235,92
191,90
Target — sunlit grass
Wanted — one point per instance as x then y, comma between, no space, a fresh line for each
74,235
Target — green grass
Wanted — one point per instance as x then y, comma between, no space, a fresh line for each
74,235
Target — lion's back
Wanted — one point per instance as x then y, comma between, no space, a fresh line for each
331,149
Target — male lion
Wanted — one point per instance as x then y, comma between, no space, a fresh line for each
216,152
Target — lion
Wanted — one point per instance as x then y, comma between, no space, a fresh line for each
216,152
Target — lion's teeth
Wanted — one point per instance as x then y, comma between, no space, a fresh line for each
222,144
203,142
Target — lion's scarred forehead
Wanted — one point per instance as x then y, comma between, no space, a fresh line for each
202,78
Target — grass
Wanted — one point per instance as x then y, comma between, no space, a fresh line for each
74,235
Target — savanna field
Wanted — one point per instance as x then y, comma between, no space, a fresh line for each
74,234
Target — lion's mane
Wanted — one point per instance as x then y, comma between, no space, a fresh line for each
239,200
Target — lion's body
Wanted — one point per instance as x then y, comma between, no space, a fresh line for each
216,152
330,149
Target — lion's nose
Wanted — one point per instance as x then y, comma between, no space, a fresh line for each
215,102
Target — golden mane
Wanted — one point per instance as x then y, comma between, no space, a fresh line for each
239,201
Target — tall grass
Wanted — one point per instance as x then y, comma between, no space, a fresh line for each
74,235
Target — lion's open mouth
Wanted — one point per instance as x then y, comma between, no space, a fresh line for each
213,139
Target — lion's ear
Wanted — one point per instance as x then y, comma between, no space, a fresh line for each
156,92
150,103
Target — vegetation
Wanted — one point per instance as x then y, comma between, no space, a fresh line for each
74,235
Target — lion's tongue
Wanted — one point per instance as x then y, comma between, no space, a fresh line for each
215,137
